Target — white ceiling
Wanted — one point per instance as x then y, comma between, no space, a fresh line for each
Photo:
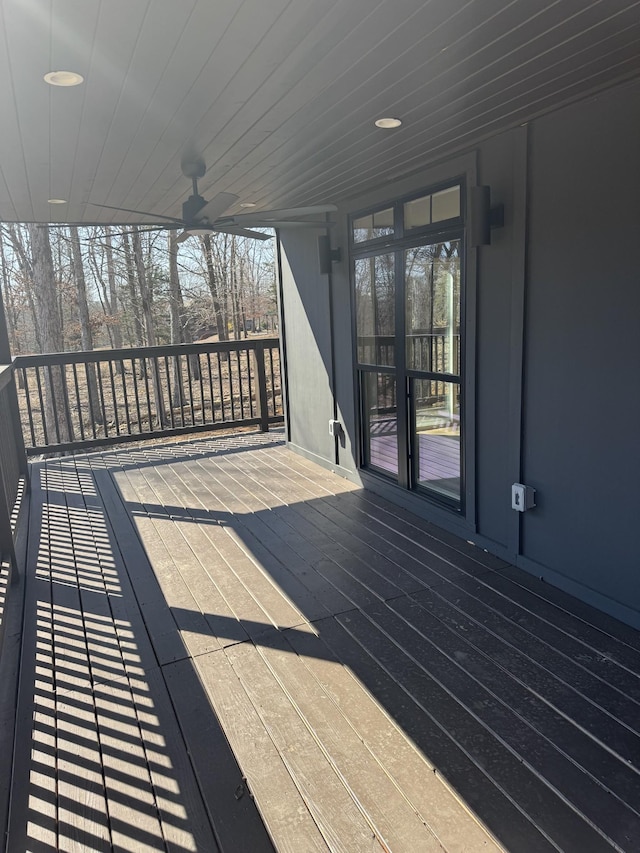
278,95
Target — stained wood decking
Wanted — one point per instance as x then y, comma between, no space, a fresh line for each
383,685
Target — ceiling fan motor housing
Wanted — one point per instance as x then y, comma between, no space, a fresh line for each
191,207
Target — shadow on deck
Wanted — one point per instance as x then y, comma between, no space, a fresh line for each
218,625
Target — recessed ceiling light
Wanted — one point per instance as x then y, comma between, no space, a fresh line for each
57,200
63,78
248,204
388,123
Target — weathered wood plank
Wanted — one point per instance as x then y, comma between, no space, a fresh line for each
410,661
283,808
337,815
394,820
589,703
441,751
555,750
440,809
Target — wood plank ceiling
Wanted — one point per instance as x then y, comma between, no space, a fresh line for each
279,96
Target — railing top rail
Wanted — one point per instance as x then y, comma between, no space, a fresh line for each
126,354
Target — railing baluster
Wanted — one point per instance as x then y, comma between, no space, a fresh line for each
166,370
252,403
29,411
43,415
190,383
213,404
240,383
105,422
54,403
262,386
78,401
233,410
116,415
274,408
221,387
204,420
181,388
134,376
125,397
146,386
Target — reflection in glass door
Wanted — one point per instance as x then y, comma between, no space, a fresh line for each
375,308
432,300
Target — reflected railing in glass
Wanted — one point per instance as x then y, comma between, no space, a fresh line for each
381,421
437,437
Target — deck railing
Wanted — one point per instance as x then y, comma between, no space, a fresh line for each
13,465
70,401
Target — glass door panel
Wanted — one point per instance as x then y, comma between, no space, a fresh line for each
380,421
436,437
432,299
375,309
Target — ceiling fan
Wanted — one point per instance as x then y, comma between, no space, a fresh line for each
203,217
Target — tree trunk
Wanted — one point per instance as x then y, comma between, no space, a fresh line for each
175,306
213,289
145,299
46,303
234,291
113,292
26,267
133,293
86,337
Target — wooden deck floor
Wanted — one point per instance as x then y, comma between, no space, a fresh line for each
228,648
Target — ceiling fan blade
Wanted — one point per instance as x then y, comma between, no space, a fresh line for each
286,212
242,232
104,225
283,223
138,212
218,204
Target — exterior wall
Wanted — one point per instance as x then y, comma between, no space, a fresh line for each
582,399
553,349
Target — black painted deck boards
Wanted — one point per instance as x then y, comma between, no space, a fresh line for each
378,680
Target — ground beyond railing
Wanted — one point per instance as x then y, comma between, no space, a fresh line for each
79,400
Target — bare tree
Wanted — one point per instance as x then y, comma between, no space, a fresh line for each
46,303
212,281
145,300
86,337
138,339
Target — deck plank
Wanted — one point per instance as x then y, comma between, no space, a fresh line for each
336,813
439,808
282,805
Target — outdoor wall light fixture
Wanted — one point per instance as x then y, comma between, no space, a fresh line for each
388,123
483,217
63,78
327,255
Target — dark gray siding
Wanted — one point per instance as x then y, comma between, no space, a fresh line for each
582,402
502,166
307,338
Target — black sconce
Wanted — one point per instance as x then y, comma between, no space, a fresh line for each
483,216
327,255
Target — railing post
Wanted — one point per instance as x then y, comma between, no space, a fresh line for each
263,406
